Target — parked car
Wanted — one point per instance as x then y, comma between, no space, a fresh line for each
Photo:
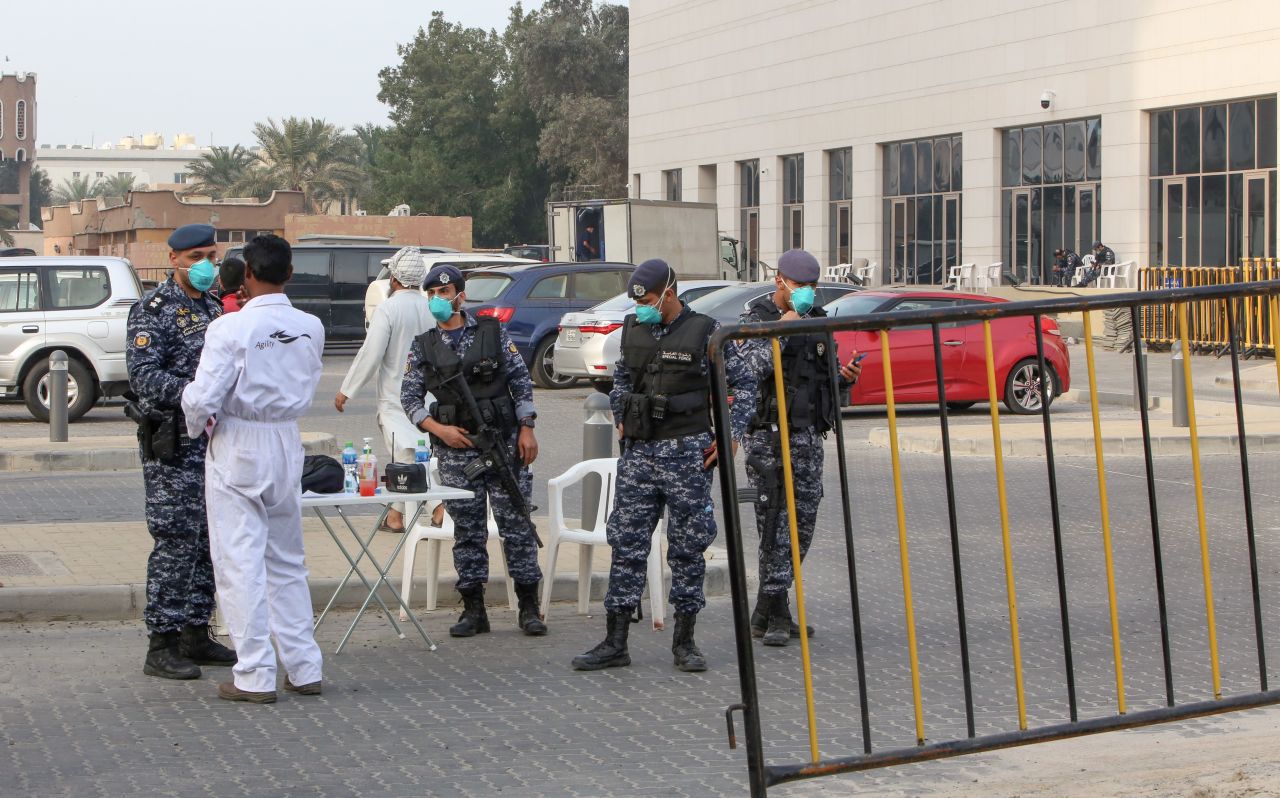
379,289
964,356
330,282
16,252
539,252
77,304
725,305
531,299
579,349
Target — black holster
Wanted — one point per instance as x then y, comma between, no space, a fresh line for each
157,432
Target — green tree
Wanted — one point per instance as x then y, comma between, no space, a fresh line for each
74,189
570,58
8,221
39,185
217,173
311,156
115,186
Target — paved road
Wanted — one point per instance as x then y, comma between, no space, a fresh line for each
504,714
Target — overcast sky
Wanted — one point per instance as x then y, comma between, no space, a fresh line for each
107,70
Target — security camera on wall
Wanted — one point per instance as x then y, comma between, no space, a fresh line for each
1046,99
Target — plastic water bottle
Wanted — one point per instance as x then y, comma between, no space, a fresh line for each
367,469
423,455
350,483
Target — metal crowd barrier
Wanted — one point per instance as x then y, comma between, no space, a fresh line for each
1207,320
1235,301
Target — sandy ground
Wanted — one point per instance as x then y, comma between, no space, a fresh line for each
1228,756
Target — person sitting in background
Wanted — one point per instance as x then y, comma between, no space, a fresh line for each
231,278
1102,256
1065,262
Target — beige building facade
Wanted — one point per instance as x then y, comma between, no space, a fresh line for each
921,135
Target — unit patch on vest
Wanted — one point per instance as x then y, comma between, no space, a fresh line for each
142,340
511,347
821,349
676,357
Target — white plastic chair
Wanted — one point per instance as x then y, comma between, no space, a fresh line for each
587,537
1116,275
435,536
866,273
954,275
992,276
1086,263
836,274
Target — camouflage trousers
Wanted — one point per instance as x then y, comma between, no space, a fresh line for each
179,571
646,484
806,467
471,522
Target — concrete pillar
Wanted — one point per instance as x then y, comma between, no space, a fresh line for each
1125,175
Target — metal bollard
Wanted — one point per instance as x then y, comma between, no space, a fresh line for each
1180,418
1140,362
58,396
597,441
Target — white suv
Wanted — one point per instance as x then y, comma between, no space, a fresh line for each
77,304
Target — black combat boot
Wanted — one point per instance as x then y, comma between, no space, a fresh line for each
474,619
530,621
612,653
198,645
778,612
163,659
760,621
688,657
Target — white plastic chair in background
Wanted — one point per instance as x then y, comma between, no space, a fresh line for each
587,537
866,273
1086,263
953,275
988,276
1116,275
836,274
435,536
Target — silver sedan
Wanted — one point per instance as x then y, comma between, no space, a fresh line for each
580,348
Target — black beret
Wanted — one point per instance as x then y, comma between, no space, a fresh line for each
444,274
652,275
190,236
799,266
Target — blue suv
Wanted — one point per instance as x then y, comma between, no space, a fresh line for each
529,300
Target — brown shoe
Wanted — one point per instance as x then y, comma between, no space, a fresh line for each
229,692
312,688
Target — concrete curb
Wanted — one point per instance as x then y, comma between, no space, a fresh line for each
125,602
1268,386
62,457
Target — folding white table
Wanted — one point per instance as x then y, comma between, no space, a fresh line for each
337,501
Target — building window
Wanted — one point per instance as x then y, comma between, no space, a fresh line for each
124,174
671,180
99,175
840,206
635,185
922,208
180,177
20,119
75,175
793,202
749,214
1052,194
1213,183
20,155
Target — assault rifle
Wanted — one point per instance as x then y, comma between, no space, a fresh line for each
489,441
771,495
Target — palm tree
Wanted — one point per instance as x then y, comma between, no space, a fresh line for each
74,189
8,221
311,156
115,186
219,171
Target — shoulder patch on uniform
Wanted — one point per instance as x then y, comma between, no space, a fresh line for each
156,302
142,340
511,347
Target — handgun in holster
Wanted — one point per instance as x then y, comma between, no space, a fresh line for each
157,431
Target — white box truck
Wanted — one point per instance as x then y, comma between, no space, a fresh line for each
684,234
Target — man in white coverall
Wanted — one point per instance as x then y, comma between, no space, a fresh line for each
403,316
257,375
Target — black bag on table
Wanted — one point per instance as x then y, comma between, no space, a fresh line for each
321,474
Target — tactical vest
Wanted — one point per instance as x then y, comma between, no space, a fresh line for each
669,390
481,367
806,375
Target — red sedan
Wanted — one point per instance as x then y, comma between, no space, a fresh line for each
964,362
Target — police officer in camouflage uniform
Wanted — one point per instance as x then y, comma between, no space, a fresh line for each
477,349
661,402
166,333
812,410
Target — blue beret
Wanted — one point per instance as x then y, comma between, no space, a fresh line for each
799,266
444,274
652,275
190,236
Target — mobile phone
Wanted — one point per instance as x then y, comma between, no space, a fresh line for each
859,358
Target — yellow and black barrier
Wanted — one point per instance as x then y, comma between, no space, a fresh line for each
1235,299
1206,322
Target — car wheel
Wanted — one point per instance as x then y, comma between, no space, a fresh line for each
960,405
82,389
544,370
1023,388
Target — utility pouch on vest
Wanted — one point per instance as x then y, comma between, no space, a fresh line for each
637,419
445,414
477,467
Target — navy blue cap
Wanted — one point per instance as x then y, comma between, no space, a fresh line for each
652,275
444,274
190,236
799,266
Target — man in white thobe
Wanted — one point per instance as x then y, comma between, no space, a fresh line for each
258,373
404,315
